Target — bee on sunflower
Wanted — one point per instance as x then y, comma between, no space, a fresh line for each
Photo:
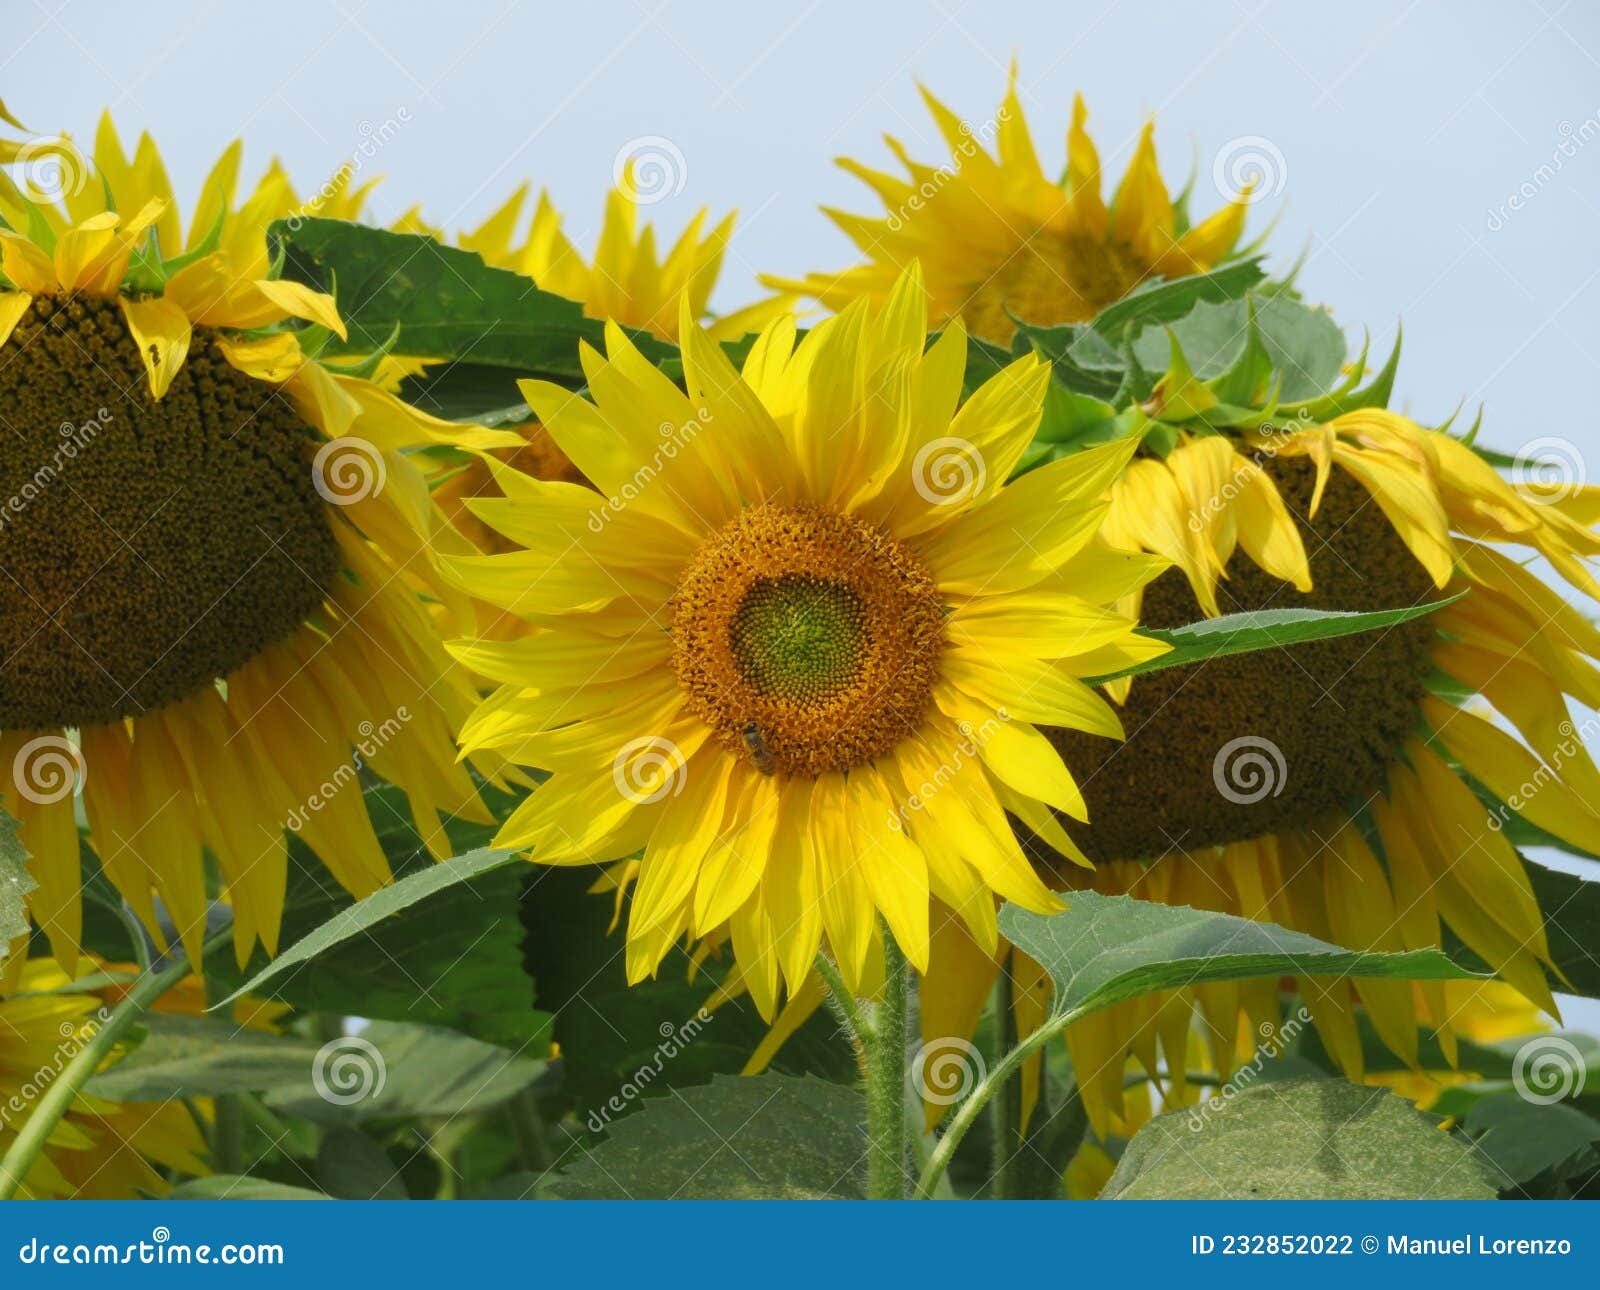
213,550
1000,240
794,651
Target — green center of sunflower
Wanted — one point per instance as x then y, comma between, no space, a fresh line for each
148,547
1262,743
807,640
1052,278
799,637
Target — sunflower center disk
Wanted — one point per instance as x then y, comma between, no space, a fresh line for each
148,547
1053,278
1260,743
809,641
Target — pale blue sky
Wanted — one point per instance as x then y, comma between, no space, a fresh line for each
1405,131
1401,128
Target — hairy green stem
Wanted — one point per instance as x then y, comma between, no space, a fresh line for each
59,1097
843,1002
1006,1121
886,1081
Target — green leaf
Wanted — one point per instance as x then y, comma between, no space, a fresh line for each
239,1187
1167,301
768,1136
391,1071
351,1166
482,393
1525,1138
447,303
15,884
1266,629
1303,347
613,1034
365,915
1106,949
1571,908
183,1056
1299,1140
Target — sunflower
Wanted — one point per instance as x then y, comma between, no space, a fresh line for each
1333,788
1000,240
212,546
627,282
100,1150
795,650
